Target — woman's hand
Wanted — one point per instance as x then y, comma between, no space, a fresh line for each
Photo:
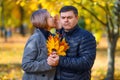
53,60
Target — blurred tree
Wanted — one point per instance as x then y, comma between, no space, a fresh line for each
111,24
81,22
27,6
3,30
1,13
18,13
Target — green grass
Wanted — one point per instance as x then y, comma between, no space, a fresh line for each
11,56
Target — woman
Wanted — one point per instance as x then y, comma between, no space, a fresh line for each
34,62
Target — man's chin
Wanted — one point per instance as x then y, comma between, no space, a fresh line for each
67,29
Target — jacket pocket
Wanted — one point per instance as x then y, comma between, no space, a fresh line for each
42,77
70,76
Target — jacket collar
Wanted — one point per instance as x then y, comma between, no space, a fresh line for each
44,32
72,30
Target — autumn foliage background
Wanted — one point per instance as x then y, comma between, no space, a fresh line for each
16,18
11,55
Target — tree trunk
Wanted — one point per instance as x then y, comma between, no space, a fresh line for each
3,31
111,59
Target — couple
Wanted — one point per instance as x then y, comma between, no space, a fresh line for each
80,56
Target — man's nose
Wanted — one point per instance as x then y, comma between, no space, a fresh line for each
66,19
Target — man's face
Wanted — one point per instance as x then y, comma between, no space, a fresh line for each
68,20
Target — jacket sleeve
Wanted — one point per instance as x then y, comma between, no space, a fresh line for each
29,62
85,61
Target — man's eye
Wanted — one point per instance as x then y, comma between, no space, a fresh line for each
63,17
69,17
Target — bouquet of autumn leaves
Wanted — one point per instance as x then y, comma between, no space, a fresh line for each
55,44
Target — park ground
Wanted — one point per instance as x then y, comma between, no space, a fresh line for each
11,55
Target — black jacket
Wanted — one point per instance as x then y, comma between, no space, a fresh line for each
77,64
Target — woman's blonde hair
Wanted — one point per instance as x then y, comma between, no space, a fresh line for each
39,18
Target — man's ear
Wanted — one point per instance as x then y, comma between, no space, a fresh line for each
77,17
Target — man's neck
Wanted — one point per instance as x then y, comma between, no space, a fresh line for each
67,30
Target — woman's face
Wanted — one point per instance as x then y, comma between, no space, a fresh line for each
50,21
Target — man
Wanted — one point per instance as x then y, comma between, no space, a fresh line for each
80,56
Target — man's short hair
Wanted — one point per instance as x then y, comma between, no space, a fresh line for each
69,8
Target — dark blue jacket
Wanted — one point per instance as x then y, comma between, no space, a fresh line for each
77,64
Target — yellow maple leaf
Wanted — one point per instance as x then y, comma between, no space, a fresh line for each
54,44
